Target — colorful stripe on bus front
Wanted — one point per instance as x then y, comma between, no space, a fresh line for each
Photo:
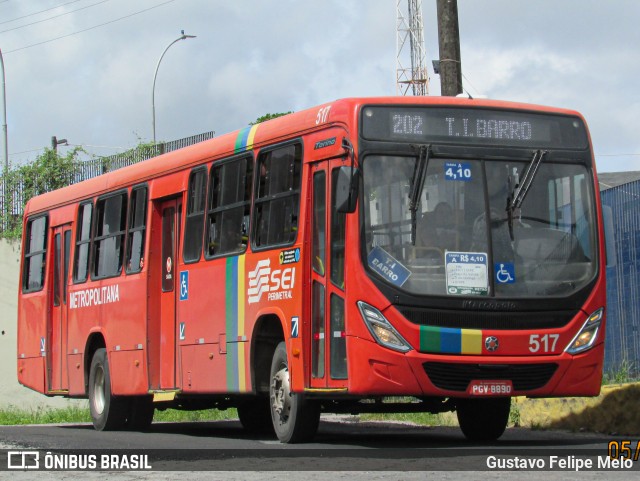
448,340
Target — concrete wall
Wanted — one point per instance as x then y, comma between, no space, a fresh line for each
11,392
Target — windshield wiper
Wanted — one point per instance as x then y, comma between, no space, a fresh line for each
417,184
520,191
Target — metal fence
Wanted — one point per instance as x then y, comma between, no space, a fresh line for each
12,202
622,345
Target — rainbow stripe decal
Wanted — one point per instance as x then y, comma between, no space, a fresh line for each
450,341
244,141
236,337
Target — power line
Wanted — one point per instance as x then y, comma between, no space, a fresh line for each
51,18
37,13
87,29
469,82
25,151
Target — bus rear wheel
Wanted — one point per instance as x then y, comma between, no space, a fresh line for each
483,419
295,419
108,412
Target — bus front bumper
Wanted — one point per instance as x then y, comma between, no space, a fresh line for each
376,370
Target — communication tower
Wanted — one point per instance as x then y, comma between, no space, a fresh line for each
410,38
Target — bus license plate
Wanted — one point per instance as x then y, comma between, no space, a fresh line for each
490,388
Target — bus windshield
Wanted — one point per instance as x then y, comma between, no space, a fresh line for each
465,238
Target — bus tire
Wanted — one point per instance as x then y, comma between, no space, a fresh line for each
483,419
108,412
255,415
140,413
295,419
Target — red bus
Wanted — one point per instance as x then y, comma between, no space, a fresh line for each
367,255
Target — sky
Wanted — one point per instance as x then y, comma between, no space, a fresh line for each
83,70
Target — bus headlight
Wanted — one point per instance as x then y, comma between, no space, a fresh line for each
381,330
587,335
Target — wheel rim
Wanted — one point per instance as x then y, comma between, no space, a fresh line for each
281,395
98,390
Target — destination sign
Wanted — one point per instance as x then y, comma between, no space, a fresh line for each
473,126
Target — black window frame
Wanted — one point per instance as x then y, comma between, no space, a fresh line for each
260,199
28,254
97,239
132,228
215,208
79,241
194,218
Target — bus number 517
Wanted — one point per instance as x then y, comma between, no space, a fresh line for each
536,342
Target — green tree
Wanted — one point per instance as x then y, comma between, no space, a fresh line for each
266,117
48,172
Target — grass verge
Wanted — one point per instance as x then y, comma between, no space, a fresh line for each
13,415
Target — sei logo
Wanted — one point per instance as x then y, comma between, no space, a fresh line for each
276,283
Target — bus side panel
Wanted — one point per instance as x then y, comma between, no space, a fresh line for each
79,327
31,373
274,287
32,335
76,374
201,316
113,308
202,368
129,373
123,316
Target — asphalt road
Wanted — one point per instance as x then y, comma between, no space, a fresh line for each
342,450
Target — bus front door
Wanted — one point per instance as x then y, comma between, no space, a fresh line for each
56,342
328,341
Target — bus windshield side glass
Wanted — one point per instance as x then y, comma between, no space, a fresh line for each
463,244
475,126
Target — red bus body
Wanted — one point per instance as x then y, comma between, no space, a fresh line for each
198,331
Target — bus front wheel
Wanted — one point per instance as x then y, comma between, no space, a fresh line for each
295,419
483,419
107,411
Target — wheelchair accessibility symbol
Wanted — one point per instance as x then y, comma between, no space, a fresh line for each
505,273
184,285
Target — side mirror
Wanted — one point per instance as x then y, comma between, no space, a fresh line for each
609,236
346,193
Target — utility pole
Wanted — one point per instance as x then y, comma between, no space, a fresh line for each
4,118
449,42
55,142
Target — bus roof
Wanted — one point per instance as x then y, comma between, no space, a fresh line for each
343,111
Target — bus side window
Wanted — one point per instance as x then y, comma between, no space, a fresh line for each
193,232
277,199
228,207
137,227
108,243
34,254
83,238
